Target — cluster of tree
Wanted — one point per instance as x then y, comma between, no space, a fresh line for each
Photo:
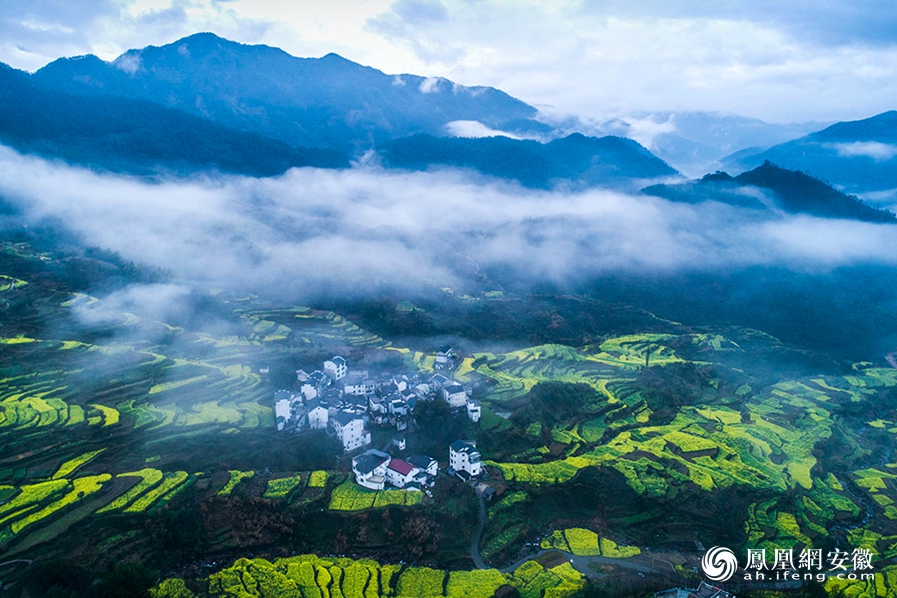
552,403
66,579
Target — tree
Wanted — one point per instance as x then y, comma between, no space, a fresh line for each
57,578
129,580
172,588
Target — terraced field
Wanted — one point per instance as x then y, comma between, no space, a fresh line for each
349,496
585,542
759,440
126,392
310,575
117,433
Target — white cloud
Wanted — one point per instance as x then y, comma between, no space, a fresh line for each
129,63
880,152
473,128
778,61
431,85
312,231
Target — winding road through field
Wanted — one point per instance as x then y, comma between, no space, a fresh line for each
580,563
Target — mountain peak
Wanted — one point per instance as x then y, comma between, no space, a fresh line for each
204,37
317,102
791,190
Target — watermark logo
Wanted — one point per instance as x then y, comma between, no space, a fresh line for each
719,564
785,564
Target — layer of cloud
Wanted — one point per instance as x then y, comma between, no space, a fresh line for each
779,63
473,128
880,152
323,231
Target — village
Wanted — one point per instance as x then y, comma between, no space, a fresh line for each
347,403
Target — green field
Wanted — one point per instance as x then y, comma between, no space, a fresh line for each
584,542
146,440
311,575
349,496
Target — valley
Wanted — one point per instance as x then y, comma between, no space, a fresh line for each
129,437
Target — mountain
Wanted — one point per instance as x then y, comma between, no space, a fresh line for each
791,191
320,102
576,159
857,156
136,136
694,142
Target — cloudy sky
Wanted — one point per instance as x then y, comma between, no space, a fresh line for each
782,61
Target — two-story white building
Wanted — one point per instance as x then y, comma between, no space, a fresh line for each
444,356
454,395
359,383
425,463
318,416
464,456
474,410
282,413
336,368
370,469
350,430
400,473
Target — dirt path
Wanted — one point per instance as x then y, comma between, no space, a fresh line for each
580,563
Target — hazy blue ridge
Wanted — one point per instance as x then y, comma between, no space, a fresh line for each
131,135
318,102
858,156
792,191
575,159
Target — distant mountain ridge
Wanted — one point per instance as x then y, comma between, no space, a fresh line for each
575,159
694,142
792,191
320,102
858,156
136,136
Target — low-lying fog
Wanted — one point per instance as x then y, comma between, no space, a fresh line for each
347,230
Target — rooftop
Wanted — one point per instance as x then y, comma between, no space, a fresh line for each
368,461
464,446
421,461
401,466
344,418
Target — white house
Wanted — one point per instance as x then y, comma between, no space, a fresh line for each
350,430
444,356
370,469
359,384
437,381
425,463
317,415
397,406
308,390
336,368
464,456
400,473
282,413
474,411
454,395
320,380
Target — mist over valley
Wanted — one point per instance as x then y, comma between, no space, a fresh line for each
282,326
